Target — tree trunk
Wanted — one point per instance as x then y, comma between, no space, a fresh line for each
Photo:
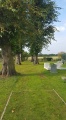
8,62
36,59
32,59
18,59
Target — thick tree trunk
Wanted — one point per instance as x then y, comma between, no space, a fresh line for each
18,59
8,62
36,59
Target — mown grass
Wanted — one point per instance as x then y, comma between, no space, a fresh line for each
33,97
64,65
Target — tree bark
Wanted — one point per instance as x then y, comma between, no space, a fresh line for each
18,59
32,59
8,67
36,59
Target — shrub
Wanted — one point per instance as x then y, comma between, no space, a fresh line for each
47,59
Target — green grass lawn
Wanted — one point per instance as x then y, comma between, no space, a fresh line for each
33,97
64,65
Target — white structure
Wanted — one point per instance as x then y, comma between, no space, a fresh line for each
58,64
47,66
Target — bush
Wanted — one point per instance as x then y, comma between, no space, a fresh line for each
47,59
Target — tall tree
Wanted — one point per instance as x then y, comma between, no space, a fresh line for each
13,23
43,24
31,19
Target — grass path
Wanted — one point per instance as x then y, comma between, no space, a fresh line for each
33,97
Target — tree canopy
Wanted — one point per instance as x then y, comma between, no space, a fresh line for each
46,13
25,22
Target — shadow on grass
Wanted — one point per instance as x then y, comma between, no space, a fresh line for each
44,73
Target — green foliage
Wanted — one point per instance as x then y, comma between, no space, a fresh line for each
63,56
27,23
47,58
25,55
43,24
15,13
0,54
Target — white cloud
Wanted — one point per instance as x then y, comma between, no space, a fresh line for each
61,28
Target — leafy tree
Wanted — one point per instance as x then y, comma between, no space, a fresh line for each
24,20
25,55
13,24
62,55
43,24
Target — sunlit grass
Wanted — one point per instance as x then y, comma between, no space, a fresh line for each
33,97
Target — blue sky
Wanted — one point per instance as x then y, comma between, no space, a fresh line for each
60,44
